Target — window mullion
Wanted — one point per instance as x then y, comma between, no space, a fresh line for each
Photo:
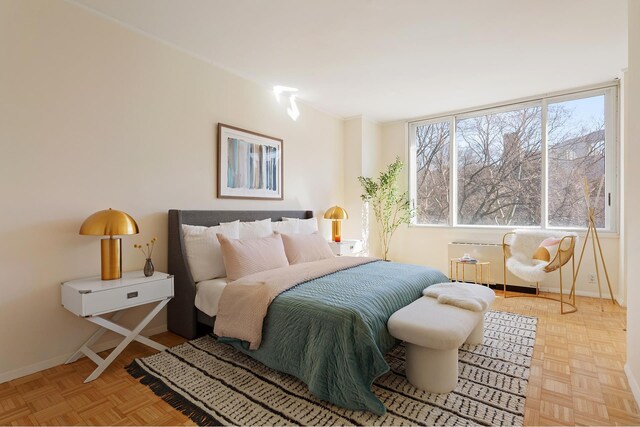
453,173
611,158
544,200
412,171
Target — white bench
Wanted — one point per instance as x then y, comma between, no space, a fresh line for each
433,332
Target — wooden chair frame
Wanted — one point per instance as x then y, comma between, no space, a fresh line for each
562,257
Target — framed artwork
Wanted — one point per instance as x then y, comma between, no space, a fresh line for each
249,165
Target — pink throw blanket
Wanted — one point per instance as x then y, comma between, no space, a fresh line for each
244,302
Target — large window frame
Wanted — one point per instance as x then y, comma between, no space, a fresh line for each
612,162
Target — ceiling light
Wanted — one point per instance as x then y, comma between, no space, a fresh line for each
293,110
277,90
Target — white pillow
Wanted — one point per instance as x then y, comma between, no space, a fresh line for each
285,227
255,229
203,249
305,226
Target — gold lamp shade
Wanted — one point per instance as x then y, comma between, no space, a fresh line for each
110,223
336,214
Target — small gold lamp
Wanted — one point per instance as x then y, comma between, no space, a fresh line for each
336,214
110,223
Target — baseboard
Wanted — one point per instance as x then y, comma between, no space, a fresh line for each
621,301
592,294
532,290
59,360
512,288
582,293
635,388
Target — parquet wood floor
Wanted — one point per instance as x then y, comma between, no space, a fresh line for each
577,371
576,378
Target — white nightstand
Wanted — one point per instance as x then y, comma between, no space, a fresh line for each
346,247
91,297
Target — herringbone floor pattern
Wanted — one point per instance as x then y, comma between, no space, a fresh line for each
576,378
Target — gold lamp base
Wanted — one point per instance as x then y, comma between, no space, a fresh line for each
336,231
111,258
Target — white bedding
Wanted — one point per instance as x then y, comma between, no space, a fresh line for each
208,293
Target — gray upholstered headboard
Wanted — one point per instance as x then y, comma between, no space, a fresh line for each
182,313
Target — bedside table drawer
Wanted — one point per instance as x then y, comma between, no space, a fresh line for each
119,298
346,247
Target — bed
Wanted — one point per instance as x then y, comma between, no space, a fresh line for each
329,331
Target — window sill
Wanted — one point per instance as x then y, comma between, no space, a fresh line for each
603,234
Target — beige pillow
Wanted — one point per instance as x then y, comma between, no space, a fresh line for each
306,248
245,257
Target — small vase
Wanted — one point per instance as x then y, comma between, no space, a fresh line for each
148,268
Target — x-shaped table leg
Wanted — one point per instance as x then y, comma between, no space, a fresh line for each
130,335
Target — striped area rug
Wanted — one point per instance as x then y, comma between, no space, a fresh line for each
213,383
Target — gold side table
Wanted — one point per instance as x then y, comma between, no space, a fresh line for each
477,279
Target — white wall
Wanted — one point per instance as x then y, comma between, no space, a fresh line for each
428,245
632,201
93,115
362,153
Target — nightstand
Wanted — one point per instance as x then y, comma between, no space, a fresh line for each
346,247
92,297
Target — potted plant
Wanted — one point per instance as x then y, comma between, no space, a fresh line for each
390,206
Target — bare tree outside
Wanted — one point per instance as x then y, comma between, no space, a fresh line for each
499,166
432,173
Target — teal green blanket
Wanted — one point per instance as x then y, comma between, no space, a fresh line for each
331,332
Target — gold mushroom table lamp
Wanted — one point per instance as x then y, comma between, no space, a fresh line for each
110,223
336,214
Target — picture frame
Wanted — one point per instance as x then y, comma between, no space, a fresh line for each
250,164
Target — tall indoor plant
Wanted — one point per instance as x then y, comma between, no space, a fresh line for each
390,206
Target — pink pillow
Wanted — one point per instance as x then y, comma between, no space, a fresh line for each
245,257
306,248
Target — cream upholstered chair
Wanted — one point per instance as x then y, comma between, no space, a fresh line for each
520,249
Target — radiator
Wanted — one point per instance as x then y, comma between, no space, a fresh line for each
484,252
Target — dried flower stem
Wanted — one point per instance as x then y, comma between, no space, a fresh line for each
149,249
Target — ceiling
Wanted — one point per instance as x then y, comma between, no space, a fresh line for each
392,60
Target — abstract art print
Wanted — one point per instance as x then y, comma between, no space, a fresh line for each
249,164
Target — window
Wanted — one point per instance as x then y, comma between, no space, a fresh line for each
499,168
521,165
576,141
432,172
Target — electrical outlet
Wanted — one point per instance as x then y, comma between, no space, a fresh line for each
592,278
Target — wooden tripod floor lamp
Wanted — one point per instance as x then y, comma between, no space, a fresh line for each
595,242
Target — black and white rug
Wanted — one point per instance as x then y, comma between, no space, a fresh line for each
212,383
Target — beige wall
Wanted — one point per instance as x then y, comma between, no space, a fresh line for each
632,201
93,115
428,245
351,229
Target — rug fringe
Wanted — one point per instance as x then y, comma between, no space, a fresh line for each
173,398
